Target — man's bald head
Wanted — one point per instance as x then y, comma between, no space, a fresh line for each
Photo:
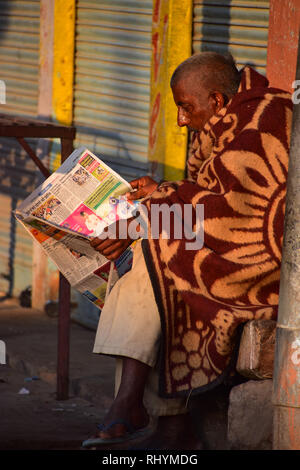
210,70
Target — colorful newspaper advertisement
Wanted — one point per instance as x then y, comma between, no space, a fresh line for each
72,206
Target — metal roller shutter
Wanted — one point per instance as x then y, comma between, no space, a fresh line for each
19,66
236,26
19,55
112,81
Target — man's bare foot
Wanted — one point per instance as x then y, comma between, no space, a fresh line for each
128,405
135,415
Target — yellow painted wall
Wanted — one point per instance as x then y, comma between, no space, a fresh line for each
171,44
63,64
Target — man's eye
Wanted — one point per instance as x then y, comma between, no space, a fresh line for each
187,109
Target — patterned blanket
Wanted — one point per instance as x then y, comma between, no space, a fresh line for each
238,171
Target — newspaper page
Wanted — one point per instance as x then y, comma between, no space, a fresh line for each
72,206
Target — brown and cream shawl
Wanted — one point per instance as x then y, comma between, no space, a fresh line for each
238,171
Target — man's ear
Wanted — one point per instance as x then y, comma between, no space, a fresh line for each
218,100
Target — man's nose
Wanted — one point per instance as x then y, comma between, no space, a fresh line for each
182,119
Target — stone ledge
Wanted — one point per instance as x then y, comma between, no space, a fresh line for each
250,416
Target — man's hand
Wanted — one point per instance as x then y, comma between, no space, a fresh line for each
143,186
112,248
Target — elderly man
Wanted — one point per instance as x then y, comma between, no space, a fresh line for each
172,321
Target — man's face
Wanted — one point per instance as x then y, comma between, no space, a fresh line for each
194,104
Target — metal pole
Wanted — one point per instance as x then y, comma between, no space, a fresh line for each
286,384
63,344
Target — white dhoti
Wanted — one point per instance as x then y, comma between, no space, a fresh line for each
130,326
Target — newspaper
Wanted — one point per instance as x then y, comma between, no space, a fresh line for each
69,208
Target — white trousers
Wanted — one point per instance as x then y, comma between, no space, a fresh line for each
130,326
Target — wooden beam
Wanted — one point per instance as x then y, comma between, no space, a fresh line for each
256,352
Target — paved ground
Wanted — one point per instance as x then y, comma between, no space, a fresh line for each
36,420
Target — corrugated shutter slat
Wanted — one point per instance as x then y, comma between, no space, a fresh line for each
239,27
19,69
112,81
